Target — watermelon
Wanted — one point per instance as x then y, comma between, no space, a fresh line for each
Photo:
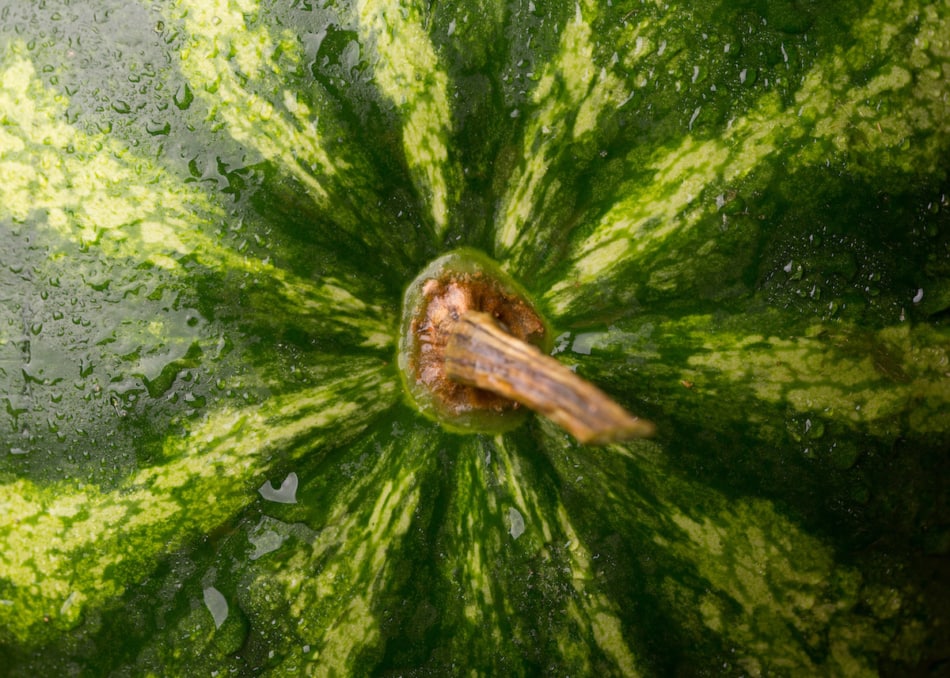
731,218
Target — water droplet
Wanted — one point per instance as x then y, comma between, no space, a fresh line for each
183,97
516,521
216,604
264,542
286,494
583,343
120,106
748,76
158,128
561,342
694,116
795,271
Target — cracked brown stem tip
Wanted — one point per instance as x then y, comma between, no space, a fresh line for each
480,353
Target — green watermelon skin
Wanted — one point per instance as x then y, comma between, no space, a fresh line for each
733,216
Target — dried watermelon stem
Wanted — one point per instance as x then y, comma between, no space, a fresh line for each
473,354
480,353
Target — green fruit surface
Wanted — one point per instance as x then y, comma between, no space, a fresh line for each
734,216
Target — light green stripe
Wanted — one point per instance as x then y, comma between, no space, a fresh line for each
249,74
866,379
409,74
236,70
594,617
591,608
325,306
91,191
785,584
869,380
306,588
70,548
510,552
351,559
913,89
832,116
475,534
770,590
731,568
571,94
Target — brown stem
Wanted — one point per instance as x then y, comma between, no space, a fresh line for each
479,353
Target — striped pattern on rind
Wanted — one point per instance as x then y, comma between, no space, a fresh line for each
90,545
629,167
717,560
